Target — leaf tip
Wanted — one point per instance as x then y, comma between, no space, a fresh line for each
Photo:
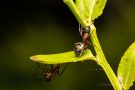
34,58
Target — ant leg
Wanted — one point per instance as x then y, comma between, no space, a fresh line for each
38,65
62,70
56,68
80,30
41,68
91,44
52,67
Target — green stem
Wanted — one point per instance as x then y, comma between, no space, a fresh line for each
101,60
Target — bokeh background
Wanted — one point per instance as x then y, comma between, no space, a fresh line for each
29,27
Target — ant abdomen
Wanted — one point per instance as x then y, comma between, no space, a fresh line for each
79,47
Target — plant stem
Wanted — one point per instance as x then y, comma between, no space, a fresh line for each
101,60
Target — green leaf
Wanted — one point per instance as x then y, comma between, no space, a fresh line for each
98,9
86,11
126,69
76,12
91,9
86,8
62,57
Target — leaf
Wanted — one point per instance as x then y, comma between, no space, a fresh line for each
62,57
126,69
98,9
86,8
91,9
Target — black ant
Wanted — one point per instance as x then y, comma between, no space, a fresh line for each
51,73
80,46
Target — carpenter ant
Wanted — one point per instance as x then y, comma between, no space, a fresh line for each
80,46
51,73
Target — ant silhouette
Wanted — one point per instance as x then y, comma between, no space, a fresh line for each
49,74
81,46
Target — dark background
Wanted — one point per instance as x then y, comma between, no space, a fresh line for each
29,27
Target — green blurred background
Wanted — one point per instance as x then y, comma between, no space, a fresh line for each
30,27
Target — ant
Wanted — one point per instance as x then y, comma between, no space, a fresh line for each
51,73
80,46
